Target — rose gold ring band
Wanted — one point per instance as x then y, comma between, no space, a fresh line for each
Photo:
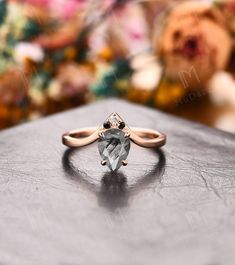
140,136
114,138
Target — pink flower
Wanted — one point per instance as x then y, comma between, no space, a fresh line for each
39,3
107,3
64,9
230,5
67,9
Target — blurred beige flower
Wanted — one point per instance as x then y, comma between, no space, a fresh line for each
28,51
13,87
71,81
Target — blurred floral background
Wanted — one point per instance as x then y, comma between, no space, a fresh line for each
177,56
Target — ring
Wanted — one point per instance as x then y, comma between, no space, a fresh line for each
114,140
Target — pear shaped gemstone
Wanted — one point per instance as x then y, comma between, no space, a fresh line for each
114,147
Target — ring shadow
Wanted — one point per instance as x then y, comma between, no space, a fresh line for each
114,191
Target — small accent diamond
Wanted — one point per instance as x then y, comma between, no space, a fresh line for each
114,120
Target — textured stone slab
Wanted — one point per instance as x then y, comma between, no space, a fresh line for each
170,207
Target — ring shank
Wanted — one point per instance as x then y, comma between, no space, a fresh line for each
80,137
147,137
140,136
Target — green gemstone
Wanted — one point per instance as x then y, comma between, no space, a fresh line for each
114,147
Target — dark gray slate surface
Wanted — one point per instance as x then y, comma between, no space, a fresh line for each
169,207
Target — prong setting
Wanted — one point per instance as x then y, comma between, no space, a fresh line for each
101,134
124,163
103,162
127,134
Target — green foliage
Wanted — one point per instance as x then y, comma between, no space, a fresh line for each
31,30
3,10
108,86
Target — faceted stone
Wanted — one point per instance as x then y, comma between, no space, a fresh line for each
114,120
114,147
